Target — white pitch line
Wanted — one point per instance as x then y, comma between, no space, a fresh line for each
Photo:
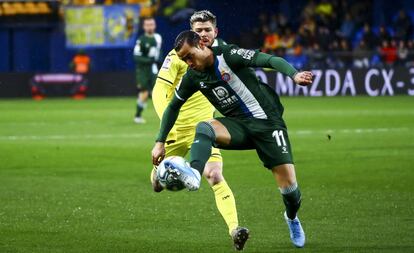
71,137
350,131
127,136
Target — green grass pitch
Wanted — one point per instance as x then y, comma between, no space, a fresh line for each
74,177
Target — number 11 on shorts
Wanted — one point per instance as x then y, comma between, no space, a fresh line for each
280,139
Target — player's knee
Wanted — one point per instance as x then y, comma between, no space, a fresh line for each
204,128
284,174
213,174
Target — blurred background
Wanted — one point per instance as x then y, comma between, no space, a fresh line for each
44,37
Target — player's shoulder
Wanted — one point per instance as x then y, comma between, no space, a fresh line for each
172,54
224,49
218,42
172,60
158,37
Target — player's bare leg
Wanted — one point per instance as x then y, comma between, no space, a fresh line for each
285,177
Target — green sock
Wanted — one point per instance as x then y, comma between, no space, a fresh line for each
201,147
292,202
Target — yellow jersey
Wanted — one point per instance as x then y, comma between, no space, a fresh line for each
197,108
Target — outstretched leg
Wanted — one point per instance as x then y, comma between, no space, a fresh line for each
286,179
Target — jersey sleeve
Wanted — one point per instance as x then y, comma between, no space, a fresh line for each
168,71
160,102
240,57
185,89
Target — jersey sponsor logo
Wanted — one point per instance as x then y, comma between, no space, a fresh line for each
166,64
244,53
202,85
223,97
225,76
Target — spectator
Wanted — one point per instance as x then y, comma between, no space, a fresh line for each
369,37
316,56
80,63
403,26
383,34
388,52
402,53
309,10
273,24
347,27
410,57
361,55
324,38
271,43
344,54
288,39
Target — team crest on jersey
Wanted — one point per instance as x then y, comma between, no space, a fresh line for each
225,76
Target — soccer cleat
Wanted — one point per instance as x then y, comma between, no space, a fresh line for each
240,236
156,186
297,235
139,120
190,177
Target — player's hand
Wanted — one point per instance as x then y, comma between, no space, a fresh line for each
303,78
158,153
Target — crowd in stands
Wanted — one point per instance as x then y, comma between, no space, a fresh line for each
336,34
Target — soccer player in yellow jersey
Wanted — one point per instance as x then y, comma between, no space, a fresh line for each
196,109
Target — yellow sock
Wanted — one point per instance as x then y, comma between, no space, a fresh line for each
226,204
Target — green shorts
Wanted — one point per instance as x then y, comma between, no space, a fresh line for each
145,79
268,137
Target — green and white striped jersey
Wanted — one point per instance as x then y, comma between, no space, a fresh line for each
232,86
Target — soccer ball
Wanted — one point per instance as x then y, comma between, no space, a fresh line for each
166,179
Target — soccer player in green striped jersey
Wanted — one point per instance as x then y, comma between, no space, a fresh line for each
252,114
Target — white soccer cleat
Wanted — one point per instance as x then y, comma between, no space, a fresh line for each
139,120
190,177
297,235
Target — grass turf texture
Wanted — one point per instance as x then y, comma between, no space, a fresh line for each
74,177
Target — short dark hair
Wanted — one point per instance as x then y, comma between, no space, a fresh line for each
146,18
189,37
203,16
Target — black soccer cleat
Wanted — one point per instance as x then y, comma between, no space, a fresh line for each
240,236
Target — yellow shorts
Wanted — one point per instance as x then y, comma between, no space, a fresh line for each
182,144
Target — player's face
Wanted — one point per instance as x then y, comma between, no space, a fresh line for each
195,57
207,32
149,26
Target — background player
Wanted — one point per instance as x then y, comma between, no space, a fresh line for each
146,55
253,114
196,109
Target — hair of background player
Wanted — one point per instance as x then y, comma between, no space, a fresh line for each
189,37
203,16
145,19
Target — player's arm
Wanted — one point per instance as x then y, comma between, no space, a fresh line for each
255,58
169,117
164,84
